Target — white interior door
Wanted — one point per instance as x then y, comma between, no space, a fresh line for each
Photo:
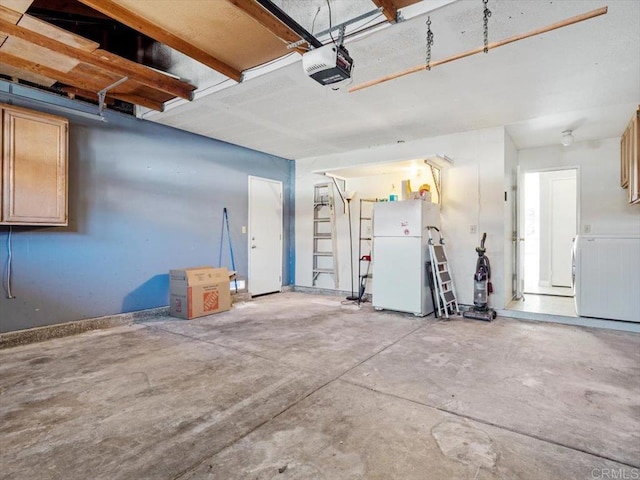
563,229
265,236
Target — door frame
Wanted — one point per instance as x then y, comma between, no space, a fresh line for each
281,229
519,205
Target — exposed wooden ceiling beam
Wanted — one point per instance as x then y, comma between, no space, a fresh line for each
38,69
268,21
73,92
388,8
111,97
75,81
105,61
138,100
9,15
150,29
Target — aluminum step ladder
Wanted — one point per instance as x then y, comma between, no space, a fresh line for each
325,242
442,279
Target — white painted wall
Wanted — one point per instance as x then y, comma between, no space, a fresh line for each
371,187
473,194
602,203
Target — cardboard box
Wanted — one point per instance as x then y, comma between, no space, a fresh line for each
195,292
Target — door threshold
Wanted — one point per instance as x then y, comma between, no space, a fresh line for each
575,321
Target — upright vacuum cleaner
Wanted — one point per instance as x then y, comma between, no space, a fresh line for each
481,287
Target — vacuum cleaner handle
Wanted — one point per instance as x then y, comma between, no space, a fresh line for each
484,237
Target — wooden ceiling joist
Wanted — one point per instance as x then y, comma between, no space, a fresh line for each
389,9
150,29
74,92
125,97
75,81
103,60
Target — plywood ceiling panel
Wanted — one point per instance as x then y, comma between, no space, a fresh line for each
86,74
59,34
142,91
10,16
20,6
44,54
216,27
34,53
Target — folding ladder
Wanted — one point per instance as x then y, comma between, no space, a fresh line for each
325,246
442,279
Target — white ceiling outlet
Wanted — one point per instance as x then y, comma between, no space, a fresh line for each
588,72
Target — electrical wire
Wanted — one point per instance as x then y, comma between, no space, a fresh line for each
314,20
362,27
9,261
330,22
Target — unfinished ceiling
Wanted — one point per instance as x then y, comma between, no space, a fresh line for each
585,76
249,89
56,42
41,53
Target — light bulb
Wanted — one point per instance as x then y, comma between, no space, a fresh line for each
567,138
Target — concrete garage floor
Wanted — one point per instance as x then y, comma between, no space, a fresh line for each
297,386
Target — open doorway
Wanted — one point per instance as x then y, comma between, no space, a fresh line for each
548,220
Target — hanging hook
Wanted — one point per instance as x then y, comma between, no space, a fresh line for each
486,15
429,42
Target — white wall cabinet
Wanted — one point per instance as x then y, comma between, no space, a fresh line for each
34,168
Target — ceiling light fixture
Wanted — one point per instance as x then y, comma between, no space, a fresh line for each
567,138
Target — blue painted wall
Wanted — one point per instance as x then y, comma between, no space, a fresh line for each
143,198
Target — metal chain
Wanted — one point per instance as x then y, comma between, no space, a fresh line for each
487,14
429,42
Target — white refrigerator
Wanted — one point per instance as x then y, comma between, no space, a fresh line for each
606,277
400,255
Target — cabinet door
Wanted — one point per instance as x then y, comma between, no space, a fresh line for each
34,170
634,160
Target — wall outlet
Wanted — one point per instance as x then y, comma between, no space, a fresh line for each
244,229
473,229
587,228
